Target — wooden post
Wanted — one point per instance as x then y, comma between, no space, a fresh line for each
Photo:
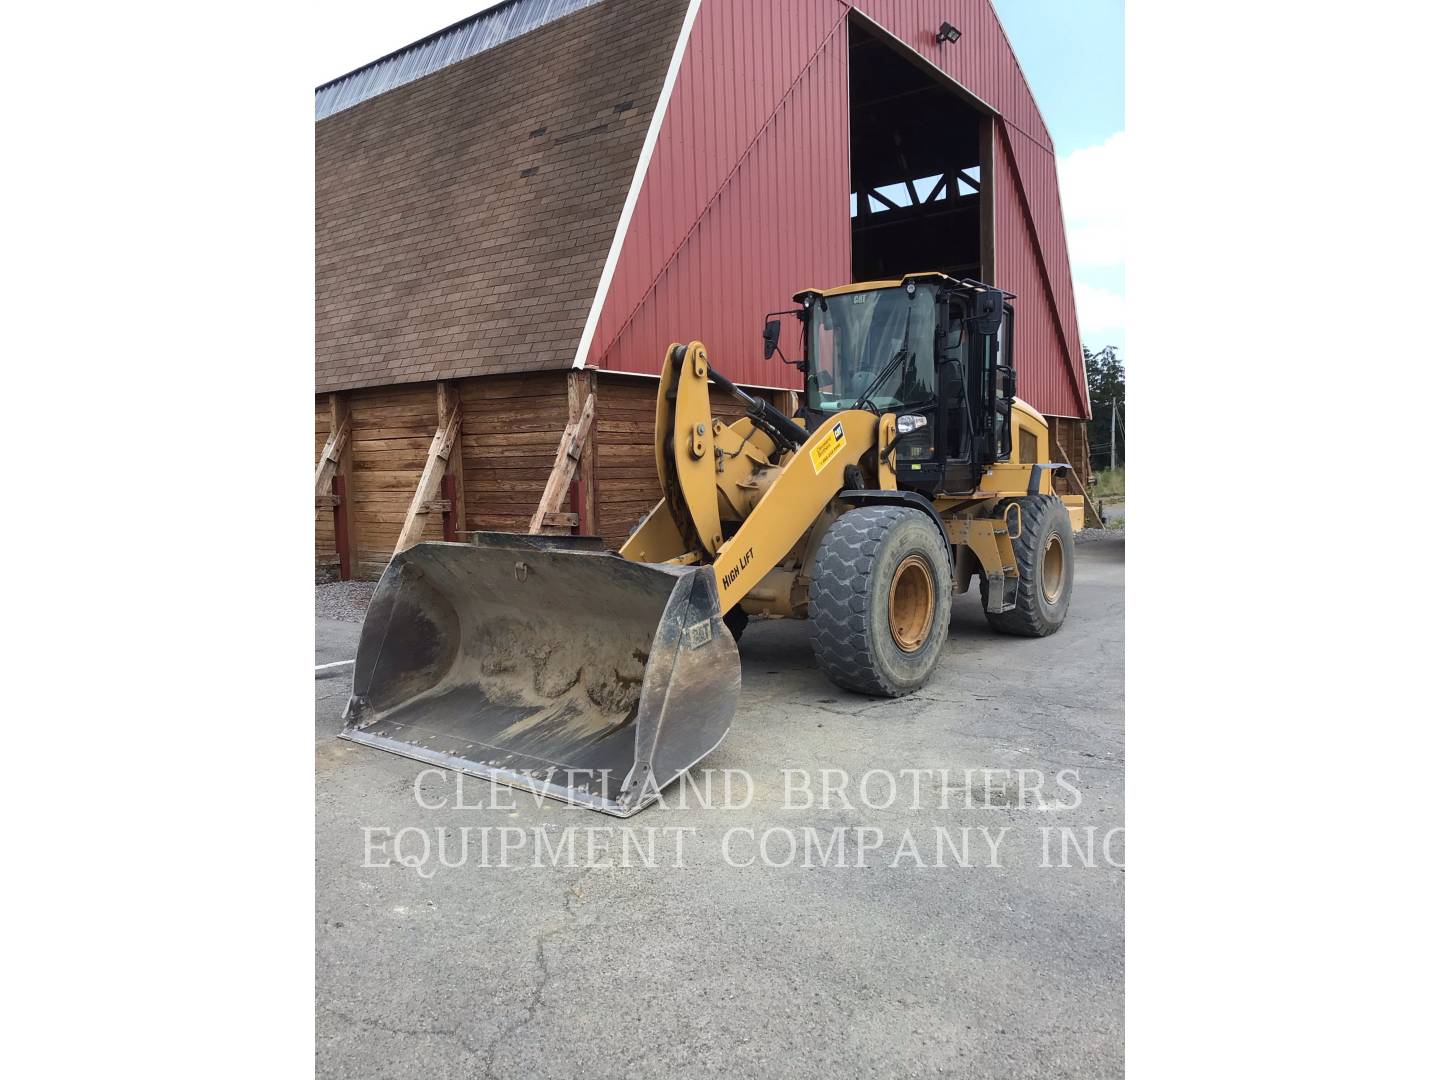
580,389
335,445
568,456
343,513
422,502
447,503
447,400
987,200
333,482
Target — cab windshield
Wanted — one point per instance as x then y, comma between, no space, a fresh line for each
854,337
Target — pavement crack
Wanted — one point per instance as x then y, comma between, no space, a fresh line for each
572,896
394,1029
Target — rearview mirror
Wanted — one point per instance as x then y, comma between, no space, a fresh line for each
772,337
989,311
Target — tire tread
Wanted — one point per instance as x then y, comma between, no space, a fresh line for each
839,609
1025,619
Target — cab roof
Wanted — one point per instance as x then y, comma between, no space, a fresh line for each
891,283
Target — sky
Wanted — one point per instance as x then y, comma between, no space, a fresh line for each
1073,55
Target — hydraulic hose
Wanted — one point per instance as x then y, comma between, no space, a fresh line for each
779,426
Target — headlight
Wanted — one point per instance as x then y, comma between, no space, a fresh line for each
915,441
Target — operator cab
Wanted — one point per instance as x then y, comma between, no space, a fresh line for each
935,351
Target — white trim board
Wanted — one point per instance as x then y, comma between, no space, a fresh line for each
652,136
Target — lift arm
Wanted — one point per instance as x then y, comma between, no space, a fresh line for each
685,526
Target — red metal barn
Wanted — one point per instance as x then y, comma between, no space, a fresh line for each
523,209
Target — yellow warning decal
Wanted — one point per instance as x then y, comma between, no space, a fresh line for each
822,452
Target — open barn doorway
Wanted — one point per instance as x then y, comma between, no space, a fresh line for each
919,170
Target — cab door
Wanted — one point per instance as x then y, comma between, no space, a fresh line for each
997,379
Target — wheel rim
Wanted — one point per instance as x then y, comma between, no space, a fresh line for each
912,603
1052,574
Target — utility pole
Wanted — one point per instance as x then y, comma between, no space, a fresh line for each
1112,433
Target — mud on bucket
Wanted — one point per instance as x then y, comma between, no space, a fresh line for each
573,673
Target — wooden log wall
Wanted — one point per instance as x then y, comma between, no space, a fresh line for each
1073,436
510,428
625,483
391,431
512,425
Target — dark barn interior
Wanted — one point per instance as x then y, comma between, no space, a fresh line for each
918,174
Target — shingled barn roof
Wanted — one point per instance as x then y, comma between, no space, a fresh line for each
464,215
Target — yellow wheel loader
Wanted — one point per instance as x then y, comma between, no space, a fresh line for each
596,677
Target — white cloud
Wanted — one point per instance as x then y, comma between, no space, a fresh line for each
1101,313
1092,192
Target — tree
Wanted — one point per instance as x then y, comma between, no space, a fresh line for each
1105,374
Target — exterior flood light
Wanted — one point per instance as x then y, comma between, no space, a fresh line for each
947,33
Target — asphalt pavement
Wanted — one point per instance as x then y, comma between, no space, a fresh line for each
951,921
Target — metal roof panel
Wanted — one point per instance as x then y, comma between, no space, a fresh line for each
454,43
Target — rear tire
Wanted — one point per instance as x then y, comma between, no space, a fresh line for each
1045,557
880,600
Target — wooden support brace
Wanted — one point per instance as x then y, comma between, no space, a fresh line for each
579,386
889,204
330,456
1092,512
447,401
567,457
332,482
436,462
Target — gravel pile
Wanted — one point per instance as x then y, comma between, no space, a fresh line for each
344,600
1087,536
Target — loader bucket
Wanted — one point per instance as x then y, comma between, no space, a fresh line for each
566,671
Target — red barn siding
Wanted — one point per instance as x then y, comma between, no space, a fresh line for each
1042,375
983,62
1030,244
746,197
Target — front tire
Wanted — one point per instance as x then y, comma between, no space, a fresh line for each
880,600
1045,557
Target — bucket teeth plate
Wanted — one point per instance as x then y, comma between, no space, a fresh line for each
571,673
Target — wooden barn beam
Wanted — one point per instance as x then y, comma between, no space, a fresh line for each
573,442
335,445
447,433
447,401
987,201
580,386
332,483
873,194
